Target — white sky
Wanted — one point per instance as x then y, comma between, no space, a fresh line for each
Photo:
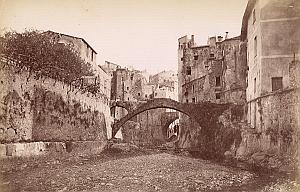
138,33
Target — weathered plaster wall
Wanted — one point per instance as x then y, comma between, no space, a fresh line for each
277,125
46,110
200,66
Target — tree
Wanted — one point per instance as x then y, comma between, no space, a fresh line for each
41,53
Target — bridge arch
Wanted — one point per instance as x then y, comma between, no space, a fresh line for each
166,119
197,111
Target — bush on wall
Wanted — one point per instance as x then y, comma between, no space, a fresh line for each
44,55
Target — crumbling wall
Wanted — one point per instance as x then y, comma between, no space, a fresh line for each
277,127
43,109
273,143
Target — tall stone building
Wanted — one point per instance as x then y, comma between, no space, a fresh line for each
271,29
214,72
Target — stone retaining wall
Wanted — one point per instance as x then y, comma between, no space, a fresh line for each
43,109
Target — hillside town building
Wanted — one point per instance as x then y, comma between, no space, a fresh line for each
214,72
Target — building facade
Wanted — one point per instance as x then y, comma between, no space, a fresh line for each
214,72
272,33
85,51
89,55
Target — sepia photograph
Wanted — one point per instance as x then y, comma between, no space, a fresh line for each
149,95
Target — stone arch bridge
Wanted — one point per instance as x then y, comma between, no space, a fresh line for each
203,113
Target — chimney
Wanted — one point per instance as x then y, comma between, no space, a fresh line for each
226,36
220,38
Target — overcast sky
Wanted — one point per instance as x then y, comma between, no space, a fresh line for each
138,33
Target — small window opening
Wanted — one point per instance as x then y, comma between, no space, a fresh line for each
218,81
254,16
195,57
188,70
218,95
254,85
255,46
277,83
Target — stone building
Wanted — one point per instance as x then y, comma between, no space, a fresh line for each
165,85
132,85
87,54
272,33
214,72
110,67
85,51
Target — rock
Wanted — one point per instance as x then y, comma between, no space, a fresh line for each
259,157
228,154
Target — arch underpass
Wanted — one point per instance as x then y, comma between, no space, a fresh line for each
199,112
166,119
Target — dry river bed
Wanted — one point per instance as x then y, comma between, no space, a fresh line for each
133,171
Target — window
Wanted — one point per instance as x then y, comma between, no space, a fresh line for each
254,85
276,83
92,56
193,88
181,59
255,46
146,96
195,57
218,95
187,100
211,55
139,94
131,77
254,16
186,93
155,94
188,70
194,100
127,88
218,81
